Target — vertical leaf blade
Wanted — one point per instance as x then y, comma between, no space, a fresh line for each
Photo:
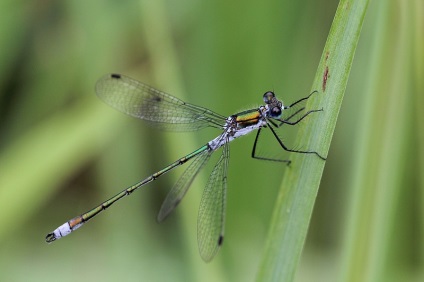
296,199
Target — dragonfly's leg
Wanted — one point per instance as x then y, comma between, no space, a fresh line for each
286,121
291,150
294,114
303,99
264,158
297,121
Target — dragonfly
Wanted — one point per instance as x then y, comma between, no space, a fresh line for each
164,111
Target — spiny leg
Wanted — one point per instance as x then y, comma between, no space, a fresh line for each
294,114
291,150
298,101
297,121
264,158
286,121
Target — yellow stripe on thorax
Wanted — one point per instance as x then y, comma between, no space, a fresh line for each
248,118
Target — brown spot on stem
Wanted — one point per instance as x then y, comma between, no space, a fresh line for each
324,78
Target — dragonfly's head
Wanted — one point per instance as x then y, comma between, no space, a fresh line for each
274,106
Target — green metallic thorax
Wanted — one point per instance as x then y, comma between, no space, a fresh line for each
247,118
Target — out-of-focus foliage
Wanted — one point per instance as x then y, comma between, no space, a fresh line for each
62,151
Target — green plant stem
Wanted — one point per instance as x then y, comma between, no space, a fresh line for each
383,139
296,199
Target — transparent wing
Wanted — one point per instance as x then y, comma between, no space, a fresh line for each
180,188
157,108
210,224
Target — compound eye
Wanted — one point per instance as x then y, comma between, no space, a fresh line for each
275,112
268,97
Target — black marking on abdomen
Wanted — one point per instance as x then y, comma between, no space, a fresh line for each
182,161
220,240
114,75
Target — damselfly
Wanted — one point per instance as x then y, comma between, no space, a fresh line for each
165,111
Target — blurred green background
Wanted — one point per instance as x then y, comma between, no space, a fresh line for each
63,151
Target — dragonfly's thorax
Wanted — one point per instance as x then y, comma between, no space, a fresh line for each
245,122
247,118
238,125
